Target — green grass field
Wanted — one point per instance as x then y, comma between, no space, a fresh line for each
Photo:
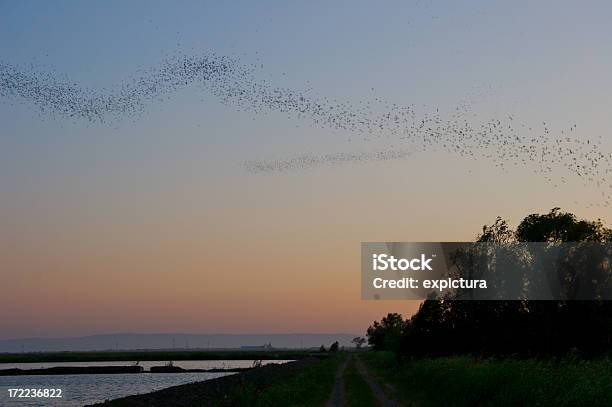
464,381
311,387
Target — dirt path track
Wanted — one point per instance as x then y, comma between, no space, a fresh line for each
337,398
380,395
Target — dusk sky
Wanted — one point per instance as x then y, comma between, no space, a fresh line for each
151,223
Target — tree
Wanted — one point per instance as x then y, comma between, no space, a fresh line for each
557,226
498,232
334,347
563,325
358,341
386,334
449,326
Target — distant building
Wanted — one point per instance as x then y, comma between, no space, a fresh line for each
267,346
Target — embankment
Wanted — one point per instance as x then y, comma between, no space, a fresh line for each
212,392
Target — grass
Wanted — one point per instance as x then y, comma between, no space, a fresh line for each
356,389
464,381
105,356
311,387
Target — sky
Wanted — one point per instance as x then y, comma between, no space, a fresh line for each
151,223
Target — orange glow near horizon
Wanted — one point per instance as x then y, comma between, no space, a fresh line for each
284,261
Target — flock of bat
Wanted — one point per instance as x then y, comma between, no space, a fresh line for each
506,141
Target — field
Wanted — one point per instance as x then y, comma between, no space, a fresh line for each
307,382
310,387
464,381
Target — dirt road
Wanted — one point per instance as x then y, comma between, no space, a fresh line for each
338,396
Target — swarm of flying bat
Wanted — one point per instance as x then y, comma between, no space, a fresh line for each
304,161
506,141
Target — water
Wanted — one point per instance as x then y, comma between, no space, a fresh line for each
185,364
78,390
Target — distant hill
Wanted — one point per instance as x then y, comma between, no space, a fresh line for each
130,341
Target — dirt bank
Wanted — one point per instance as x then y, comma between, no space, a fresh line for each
215,390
